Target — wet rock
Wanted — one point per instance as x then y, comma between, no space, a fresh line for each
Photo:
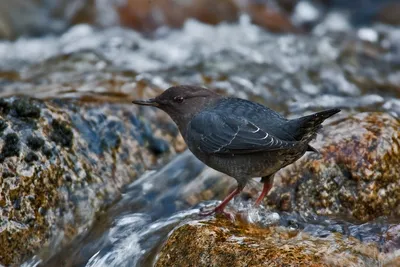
393,239
223,243
356,175
139,14
270,18
58,173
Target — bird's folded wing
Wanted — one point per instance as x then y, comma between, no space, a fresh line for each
218,133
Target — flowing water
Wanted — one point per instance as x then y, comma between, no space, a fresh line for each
353,68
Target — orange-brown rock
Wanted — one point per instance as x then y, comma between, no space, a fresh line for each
357,173
390,14
149,15
223,243
268,18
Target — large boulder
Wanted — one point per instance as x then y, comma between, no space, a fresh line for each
357,173
224,243
61,162
355,176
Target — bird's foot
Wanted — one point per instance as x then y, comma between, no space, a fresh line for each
267,180
206,213
217,211
220,208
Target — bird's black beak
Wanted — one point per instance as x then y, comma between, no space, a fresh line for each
148,102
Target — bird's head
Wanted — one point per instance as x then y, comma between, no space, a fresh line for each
181,102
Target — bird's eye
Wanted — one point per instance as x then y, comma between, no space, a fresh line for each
178,99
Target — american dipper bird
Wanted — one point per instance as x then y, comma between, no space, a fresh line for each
238,137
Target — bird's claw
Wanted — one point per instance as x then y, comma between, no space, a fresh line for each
206,212
217,211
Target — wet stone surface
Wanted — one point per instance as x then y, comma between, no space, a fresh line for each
61,164
220,242
357,174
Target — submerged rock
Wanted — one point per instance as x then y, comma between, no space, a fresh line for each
357,173
62,162
223,243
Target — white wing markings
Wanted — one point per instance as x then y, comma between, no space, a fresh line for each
270,142
266,135
230,142
258,129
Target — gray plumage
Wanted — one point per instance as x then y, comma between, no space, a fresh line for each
238,137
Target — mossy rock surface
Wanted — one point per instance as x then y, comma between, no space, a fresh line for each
63,161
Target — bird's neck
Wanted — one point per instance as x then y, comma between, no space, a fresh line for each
182,121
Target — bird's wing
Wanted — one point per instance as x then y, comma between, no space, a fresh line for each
216,133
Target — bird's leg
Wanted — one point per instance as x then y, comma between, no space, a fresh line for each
268,181
220,207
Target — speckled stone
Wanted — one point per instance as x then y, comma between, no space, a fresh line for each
61,163
220,242
356,175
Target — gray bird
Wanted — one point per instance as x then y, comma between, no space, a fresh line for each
238,137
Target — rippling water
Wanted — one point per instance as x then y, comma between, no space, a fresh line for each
290,73
130,232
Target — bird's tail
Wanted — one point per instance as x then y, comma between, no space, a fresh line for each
305,128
